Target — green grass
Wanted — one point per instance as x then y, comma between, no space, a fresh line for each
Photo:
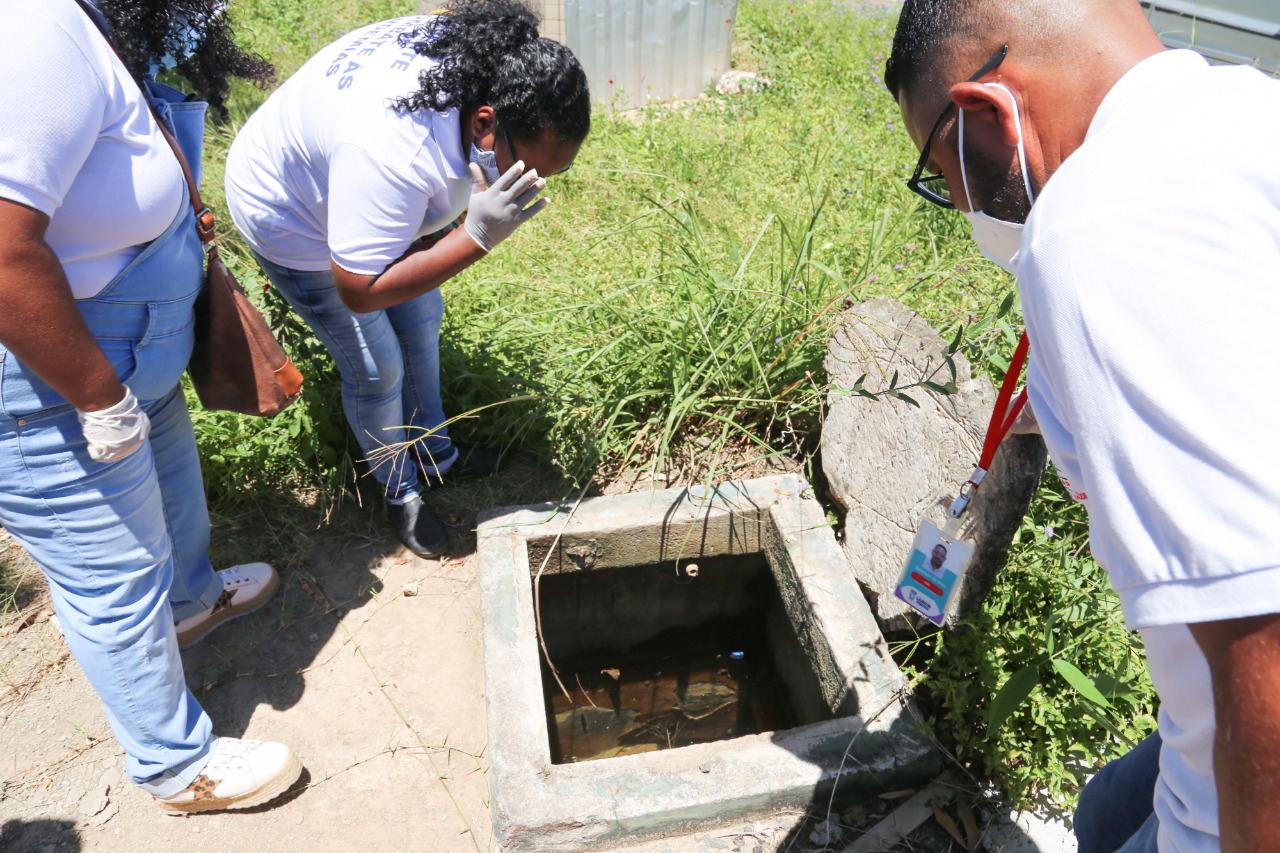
678,294
682,284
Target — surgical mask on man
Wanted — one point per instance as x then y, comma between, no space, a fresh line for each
997,239
488,163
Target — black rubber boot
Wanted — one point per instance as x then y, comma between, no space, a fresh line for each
421,530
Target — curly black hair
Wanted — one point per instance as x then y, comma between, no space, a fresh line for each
143,31
489,52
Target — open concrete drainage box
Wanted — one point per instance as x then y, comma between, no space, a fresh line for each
714,659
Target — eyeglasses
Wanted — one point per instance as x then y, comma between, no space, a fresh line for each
934,187
511,149
506,140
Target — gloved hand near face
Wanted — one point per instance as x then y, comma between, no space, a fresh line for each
495,212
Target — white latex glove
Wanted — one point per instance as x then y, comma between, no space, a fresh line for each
495,212
117,432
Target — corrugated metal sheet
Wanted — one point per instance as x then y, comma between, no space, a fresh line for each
637,51
1241,32
551,12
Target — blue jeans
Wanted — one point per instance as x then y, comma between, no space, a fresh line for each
389,362
123,544
1116,812
1146,839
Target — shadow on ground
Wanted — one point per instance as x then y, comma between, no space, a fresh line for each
332,561
22,836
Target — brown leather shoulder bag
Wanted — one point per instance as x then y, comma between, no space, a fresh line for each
237,364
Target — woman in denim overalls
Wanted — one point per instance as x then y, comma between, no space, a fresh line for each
99,477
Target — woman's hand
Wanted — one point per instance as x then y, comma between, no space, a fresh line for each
493,216
496,212
116,432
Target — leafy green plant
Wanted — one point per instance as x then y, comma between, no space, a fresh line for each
1046,683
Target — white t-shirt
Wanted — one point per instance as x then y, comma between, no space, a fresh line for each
1150,278
78,143
327,170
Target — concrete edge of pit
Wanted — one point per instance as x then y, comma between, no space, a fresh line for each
536,805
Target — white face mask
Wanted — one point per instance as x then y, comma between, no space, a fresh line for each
998,240
488,163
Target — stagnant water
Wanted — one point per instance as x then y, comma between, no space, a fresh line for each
681,685
661,704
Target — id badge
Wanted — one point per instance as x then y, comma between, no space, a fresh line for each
932,572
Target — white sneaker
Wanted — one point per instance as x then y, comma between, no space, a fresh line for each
244,589
240,774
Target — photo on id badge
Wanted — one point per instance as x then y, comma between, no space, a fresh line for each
932,572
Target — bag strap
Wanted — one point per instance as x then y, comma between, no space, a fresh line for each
205,222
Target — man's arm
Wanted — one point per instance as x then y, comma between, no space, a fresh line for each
39,321
1244,661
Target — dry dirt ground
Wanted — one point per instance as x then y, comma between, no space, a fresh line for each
380,693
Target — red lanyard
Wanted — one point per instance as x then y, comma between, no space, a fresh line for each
1002,419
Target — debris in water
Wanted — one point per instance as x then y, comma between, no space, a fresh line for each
827,832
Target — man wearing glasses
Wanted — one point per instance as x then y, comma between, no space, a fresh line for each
1135,193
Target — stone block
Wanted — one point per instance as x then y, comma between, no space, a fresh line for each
891,464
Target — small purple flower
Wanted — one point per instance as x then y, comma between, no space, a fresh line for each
1048,531
799,287
897,266
777,340
874,278
963,268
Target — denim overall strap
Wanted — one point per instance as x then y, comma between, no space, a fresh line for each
183,115
150,299
123,544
